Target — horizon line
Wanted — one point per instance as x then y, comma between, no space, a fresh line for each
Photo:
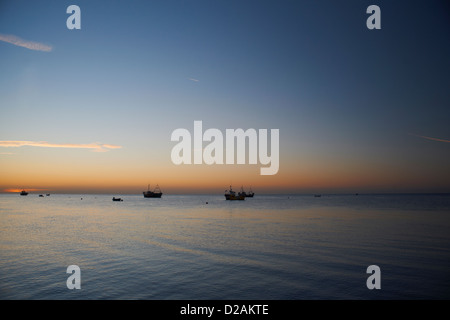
262,193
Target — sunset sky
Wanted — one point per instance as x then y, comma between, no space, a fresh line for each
93,110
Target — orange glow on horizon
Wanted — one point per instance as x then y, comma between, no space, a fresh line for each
100,172
19,190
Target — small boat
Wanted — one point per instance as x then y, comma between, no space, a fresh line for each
246,194
249,194
116,199
41,195
156,193
48,194
231,195
23,193
317,195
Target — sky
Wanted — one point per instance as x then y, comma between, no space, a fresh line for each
92,110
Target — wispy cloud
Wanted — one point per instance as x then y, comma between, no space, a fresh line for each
32,45
430,138
98,147
192,79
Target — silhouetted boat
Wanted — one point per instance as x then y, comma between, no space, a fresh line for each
48,194
117,199
41,195
245,194
317,195
153,194
23,193
249,194
231,195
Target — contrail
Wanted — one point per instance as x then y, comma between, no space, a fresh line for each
430,138
94,146
25,43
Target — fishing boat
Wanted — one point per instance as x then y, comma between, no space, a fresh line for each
23,193
156,193
246,194
249,194
116,199
231,195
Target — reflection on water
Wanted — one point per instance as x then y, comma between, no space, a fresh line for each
267,247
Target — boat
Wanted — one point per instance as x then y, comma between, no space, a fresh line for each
41,195
116,199
250,194
48,194
156,193
23,193
246,194
231,195
317,195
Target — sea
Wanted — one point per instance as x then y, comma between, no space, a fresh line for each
202,247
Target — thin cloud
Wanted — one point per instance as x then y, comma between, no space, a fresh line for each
98,147
192,79
430,138
31,45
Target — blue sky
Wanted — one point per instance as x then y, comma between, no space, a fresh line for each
137,70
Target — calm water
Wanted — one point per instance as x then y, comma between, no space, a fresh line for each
267,247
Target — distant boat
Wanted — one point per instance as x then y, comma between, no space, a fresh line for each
231,195
250,194
245,194
23,193
47,194
41,195
156,193
317,195
116,199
